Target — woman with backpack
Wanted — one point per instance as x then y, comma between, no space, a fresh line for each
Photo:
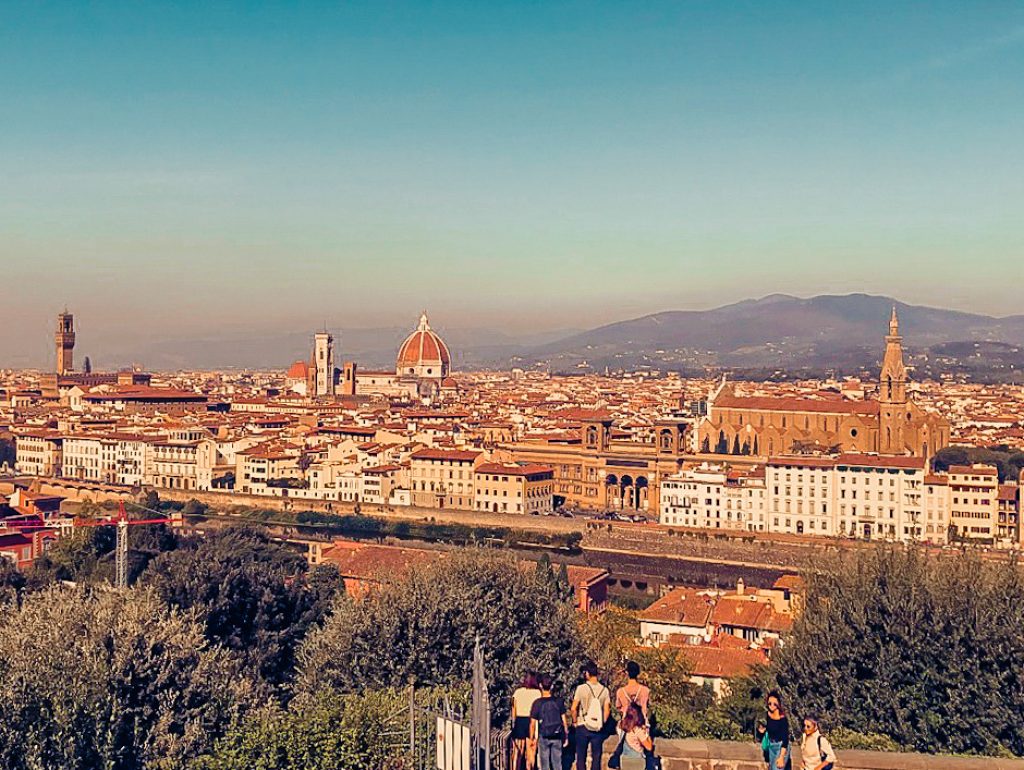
524,751
636,749
774,734
815,750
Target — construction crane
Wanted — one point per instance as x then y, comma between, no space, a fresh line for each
120,520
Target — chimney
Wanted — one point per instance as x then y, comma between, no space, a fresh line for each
740,587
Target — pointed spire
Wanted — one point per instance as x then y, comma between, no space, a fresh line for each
894,324
424,324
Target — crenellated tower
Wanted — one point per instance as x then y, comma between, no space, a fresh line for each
65,339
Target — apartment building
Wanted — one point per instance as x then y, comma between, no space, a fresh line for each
444,478
512,488
881,497
39,452
974,502
1009,513
713,496
936,508
799,495
864,496
111,458
172,465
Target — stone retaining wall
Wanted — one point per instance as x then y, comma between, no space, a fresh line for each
721,755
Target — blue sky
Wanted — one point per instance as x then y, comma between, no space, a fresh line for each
186,168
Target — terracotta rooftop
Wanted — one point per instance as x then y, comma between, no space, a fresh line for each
796,404
881,461
680,607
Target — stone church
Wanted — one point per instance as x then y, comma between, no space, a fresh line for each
892,424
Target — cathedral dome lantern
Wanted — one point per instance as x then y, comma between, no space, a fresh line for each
423,354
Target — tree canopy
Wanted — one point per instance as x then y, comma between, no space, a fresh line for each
925,650
428,622
111,679
250,593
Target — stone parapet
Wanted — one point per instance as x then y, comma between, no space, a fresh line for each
723,755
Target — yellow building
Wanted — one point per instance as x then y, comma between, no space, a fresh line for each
511,488
974,501
443,478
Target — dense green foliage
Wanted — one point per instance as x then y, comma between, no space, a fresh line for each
250,592
926,651
12,584
423,629
1008,462
85,555
8,452
231,654
325,732
111,679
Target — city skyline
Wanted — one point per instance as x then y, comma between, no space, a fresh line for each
192,168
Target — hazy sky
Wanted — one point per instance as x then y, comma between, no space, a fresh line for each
182,168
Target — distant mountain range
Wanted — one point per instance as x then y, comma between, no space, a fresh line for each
777,335
790,334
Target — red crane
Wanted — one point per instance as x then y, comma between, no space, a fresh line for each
121,521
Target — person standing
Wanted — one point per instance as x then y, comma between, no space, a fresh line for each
634,740
633,692
591,707
816,753
523,753
549,727
776,731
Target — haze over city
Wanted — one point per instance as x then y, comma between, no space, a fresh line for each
529,167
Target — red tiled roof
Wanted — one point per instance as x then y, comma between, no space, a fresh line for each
803,462
722,663
423,347
789,583
381,469
143,393
968,470
795,404
448,455
677,606
366,561
881,461
514,470
298,371
1008,491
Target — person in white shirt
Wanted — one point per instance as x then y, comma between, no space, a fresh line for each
816,753
591,707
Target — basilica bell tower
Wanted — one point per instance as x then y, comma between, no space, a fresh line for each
892,393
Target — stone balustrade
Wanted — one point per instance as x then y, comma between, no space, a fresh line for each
723,755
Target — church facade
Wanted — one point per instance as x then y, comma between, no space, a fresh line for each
892,424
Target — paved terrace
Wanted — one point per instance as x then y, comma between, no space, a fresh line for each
721,755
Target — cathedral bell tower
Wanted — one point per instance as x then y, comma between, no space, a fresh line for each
892,393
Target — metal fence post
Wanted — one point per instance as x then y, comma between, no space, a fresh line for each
412,721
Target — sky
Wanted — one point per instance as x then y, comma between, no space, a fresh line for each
185,169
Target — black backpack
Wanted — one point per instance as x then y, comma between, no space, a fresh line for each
550,721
